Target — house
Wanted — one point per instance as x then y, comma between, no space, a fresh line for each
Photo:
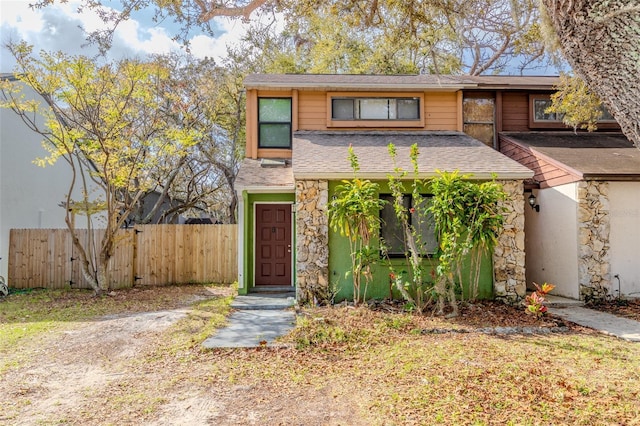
584,234
299,128
30,196
583,229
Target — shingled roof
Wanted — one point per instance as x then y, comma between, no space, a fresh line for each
595,156
256,174
323,155
396,82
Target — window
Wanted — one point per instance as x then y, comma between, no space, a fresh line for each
375,109
539,114
478,114
538,118
274,122
391,230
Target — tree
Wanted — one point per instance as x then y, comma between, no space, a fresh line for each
208,99
107,123
385,36
188,14
599,39
577,105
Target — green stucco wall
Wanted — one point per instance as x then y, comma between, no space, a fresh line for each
248,233
340,265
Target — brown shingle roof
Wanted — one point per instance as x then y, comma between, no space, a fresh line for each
609,156
323,155
395,82
252,175
356,82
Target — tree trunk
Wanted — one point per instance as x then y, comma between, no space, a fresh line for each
601,41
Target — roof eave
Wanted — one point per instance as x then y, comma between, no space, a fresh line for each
362,86
266,189
384,176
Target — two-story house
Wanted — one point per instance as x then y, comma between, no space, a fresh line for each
299,128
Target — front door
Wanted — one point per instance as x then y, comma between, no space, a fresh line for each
273,244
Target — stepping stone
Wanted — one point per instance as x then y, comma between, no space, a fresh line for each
248,328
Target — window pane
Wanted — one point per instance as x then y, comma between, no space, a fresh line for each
539,106
374,109
426,229
275,135
477,110
342,109
482,132
274,110
390,229
408,109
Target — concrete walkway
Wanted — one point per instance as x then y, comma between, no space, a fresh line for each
574,311
258,320
623,328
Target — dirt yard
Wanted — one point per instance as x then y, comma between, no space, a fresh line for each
144,367
120,370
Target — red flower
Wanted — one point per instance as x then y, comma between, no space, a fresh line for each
392,276
412,210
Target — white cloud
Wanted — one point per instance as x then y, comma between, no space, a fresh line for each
59,27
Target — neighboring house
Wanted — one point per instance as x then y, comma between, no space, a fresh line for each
30,196
299,128
583,234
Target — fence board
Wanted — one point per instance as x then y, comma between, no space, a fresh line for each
146,255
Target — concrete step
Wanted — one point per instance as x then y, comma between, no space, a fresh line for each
252,328
553,301
264,301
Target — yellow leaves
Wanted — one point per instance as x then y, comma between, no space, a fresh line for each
579,107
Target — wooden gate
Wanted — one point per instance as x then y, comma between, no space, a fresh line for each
145,255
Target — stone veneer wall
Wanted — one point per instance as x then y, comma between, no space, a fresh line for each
508,256
594,266
312,241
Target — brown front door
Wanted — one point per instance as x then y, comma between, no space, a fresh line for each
273,244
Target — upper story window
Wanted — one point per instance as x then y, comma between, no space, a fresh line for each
539,118
540,106
375,109
274,122
478,114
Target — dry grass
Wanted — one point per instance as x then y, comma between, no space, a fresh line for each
359,366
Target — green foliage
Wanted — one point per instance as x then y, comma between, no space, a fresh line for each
468,219
354,213
413,287
579,107
109,123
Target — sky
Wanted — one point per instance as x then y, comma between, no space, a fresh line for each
58,27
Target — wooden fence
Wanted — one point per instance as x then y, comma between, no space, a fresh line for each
144,255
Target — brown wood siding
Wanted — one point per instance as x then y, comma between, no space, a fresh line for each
515,112
441,111
312,111
546,173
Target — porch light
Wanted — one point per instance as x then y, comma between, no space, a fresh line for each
532,202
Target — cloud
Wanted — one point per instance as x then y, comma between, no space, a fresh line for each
60,27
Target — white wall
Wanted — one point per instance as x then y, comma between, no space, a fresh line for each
551,240
29,194
624,239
